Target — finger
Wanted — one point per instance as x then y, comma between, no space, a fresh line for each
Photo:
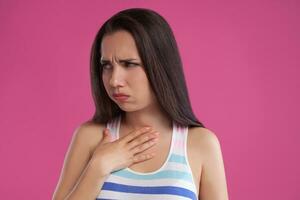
106,136
142,139
144,146
136,133
143,157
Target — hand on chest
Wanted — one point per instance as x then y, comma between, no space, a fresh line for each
162,151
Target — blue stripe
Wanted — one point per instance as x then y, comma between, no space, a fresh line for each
172,174
178,191
177,158
104,199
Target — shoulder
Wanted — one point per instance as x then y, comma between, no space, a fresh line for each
84,139
204,141
88,134
213,178
203,136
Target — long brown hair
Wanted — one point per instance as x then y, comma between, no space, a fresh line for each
158,50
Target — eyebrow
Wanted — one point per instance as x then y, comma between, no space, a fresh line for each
122,60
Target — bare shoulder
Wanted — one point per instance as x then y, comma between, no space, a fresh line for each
85,139
203,140
213,179
203,136
89,134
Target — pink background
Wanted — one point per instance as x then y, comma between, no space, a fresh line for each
241,62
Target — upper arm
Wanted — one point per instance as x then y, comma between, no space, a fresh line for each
213,180
84,139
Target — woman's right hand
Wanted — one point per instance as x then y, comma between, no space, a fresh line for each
110,155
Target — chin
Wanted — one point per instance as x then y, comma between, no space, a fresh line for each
130,108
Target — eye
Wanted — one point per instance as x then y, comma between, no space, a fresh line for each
128,64
105,65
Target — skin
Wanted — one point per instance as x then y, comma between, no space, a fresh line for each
142,109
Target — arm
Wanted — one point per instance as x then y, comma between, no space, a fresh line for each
213,180
89,183
77,162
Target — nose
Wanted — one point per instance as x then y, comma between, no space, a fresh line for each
117,77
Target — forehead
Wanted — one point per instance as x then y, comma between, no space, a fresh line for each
120,44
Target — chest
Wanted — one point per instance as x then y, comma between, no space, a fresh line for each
173,172
162,150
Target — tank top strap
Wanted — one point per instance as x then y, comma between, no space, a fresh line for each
179,158
180,143
112,125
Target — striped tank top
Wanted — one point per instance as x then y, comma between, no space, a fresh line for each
172,181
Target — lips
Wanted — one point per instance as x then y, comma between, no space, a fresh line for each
120,95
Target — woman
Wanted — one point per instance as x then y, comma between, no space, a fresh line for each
143,141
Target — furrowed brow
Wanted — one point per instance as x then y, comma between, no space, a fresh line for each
127,60
121,60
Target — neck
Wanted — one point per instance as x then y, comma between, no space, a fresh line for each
147,117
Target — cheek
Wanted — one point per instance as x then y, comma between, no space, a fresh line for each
139,82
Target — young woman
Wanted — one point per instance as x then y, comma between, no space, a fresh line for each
143,142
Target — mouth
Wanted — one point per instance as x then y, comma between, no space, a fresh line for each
120,97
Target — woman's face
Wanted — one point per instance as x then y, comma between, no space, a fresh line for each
123,72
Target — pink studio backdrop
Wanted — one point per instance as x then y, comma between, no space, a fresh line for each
241,62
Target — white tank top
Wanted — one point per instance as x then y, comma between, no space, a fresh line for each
172,181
